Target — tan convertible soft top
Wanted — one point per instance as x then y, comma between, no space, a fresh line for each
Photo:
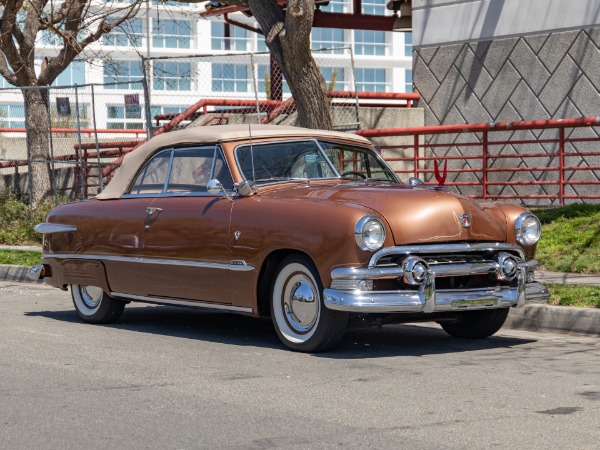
206,135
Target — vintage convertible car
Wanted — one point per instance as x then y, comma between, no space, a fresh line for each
310,227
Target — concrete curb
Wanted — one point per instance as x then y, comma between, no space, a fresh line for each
16,273
562,319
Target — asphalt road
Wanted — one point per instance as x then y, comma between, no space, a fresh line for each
175,378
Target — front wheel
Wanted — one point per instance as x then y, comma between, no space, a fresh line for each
94,305
476,324
301,320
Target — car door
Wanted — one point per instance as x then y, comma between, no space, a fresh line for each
186,238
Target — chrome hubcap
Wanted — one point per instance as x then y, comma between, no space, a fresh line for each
301,303
91,295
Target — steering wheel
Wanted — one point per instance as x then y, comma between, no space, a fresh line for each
353,172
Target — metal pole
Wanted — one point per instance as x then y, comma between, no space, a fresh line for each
416,154
81,175
484,164
147,99
100,181
355,89
561,166
51,136
29,166
255,84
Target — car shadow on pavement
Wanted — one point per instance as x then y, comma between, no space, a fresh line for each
390,340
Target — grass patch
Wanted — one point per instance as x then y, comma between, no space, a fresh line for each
570,239
574,295
20,257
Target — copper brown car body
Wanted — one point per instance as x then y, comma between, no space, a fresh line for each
278,234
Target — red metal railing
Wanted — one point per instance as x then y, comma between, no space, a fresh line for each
485,152
83,131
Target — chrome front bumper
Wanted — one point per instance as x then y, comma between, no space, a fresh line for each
429,300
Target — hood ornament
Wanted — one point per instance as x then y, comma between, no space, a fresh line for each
441,179
465,220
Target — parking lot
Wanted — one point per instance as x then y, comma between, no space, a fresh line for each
175,378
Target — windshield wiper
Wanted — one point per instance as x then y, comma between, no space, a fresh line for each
286,179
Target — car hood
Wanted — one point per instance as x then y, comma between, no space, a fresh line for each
415,215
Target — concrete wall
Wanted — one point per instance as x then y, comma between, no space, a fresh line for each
509,60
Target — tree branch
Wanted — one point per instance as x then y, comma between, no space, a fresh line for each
5,70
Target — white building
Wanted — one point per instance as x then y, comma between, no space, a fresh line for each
382,63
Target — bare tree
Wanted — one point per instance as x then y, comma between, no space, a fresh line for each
75,24
288,38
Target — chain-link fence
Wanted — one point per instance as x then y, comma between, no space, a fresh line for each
82,125
87,127
246,88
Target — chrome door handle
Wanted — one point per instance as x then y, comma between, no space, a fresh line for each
152,210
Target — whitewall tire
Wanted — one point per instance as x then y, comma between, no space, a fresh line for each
93,305
299,315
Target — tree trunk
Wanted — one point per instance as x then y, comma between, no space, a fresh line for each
38,143
288,39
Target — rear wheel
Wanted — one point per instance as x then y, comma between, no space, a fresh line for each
94,305
476,324
301,320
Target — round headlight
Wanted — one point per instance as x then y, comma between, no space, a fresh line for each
369,233
527,229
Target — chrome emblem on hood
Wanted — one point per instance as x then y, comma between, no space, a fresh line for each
465,220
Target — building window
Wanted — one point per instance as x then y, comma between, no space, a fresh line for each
121,118
172,76
129,33
338,6
67,117
408,81
166,3
171,33
261,45
127,73
334,78
374,7
327,38
408,48
230,78
157,109
371,80
238,40
370,42
263,77
50,37
73,74
12,115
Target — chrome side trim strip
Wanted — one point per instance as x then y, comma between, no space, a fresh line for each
49,228
175,302
444,248
238,266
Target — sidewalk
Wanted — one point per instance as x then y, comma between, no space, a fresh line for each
562,319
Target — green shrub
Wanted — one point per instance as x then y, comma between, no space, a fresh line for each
16,223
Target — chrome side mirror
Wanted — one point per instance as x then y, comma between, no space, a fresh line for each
214,187
415,181
247,188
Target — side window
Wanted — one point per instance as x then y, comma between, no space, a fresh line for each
191,170
152,178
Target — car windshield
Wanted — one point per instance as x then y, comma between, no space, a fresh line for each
310,160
